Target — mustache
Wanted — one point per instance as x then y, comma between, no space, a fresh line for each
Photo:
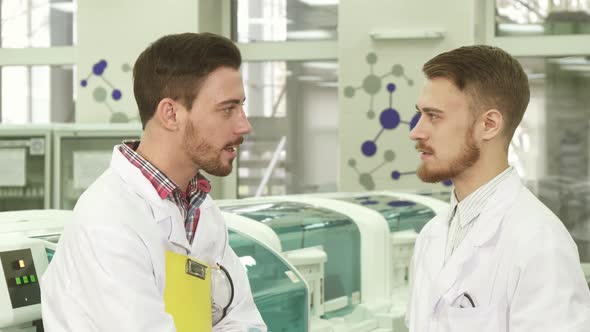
238,141
423,147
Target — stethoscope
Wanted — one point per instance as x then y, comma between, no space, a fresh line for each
221,278
464,301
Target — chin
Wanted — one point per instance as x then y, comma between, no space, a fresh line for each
220,171
432,176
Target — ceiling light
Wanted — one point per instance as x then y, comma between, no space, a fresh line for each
320,2
269,21
66,7
309,78
309,34
521,28
331,65
328,84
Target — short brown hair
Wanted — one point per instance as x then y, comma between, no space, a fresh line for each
492,77
175,66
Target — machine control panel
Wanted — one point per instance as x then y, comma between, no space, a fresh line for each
21,277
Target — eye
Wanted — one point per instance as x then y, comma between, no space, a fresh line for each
433,116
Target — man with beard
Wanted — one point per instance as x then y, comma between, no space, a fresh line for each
500,260
110,271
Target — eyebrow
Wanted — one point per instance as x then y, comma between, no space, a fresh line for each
231,102
429,110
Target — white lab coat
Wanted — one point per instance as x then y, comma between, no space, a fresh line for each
518,263
108,273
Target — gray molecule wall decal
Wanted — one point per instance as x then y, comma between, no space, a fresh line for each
389,119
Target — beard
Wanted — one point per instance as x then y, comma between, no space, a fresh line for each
467,157
203,154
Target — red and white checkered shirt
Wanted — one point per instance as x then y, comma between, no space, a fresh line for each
188,202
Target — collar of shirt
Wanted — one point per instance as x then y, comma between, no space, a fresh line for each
163,184
472,205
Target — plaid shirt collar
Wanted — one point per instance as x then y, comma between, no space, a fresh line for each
163,184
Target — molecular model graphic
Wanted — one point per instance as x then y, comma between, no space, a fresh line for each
101,95
389,118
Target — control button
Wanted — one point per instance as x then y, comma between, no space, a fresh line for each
18,281
21,263
32,278
25,280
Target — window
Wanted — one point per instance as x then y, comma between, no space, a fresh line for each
37,94
542,17
282,20
37,23
293,109
551,148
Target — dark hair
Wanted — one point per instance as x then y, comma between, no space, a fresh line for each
175,66
492,77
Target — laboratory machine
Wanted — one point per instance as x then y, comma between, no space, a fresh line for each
405,214
82,152
28,240
280,292
27,243
25,170
341,250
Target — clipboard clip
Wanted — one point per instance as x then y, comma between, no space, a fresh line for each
196,269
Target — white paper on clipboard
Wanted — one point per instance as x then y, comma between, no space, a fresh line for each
13,167
88,166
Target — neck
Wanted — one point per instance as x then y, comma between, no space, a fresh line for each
484,170
170,161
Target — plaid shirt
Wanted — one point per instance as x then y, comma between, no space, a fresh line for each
188,202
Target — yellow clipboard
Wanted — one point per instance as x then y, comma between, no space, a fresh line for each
187,294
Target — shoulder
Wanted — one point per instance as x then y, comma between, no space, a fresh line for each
534,229
528,215
110,208
109,200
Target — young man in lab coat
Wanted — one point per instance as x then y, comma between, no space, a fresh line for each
109,271
500,260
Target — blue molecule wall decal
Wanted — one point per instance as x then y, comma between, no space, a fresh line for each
101,93
389,119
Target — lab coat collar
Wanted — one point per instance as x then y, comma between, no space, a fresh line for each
444,277
166,213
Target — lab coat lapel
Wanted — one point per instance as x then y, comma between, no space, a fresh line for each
436,242
166,214
486,227
434,251
171,224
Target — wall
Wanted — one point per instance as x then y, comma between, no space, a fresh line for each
116,32
363,87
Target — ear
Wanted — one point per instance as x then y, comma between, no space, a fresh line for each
493,124
166,114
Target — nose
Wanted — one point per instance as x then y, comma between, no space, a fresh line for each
418,132
244,126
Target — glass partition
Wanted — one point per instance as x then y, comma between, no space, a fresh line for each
280,295
25,176
301,226
82,154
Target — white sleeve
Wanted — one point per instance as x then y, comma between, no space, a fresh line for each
242,316
102,279
410,288
550,293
